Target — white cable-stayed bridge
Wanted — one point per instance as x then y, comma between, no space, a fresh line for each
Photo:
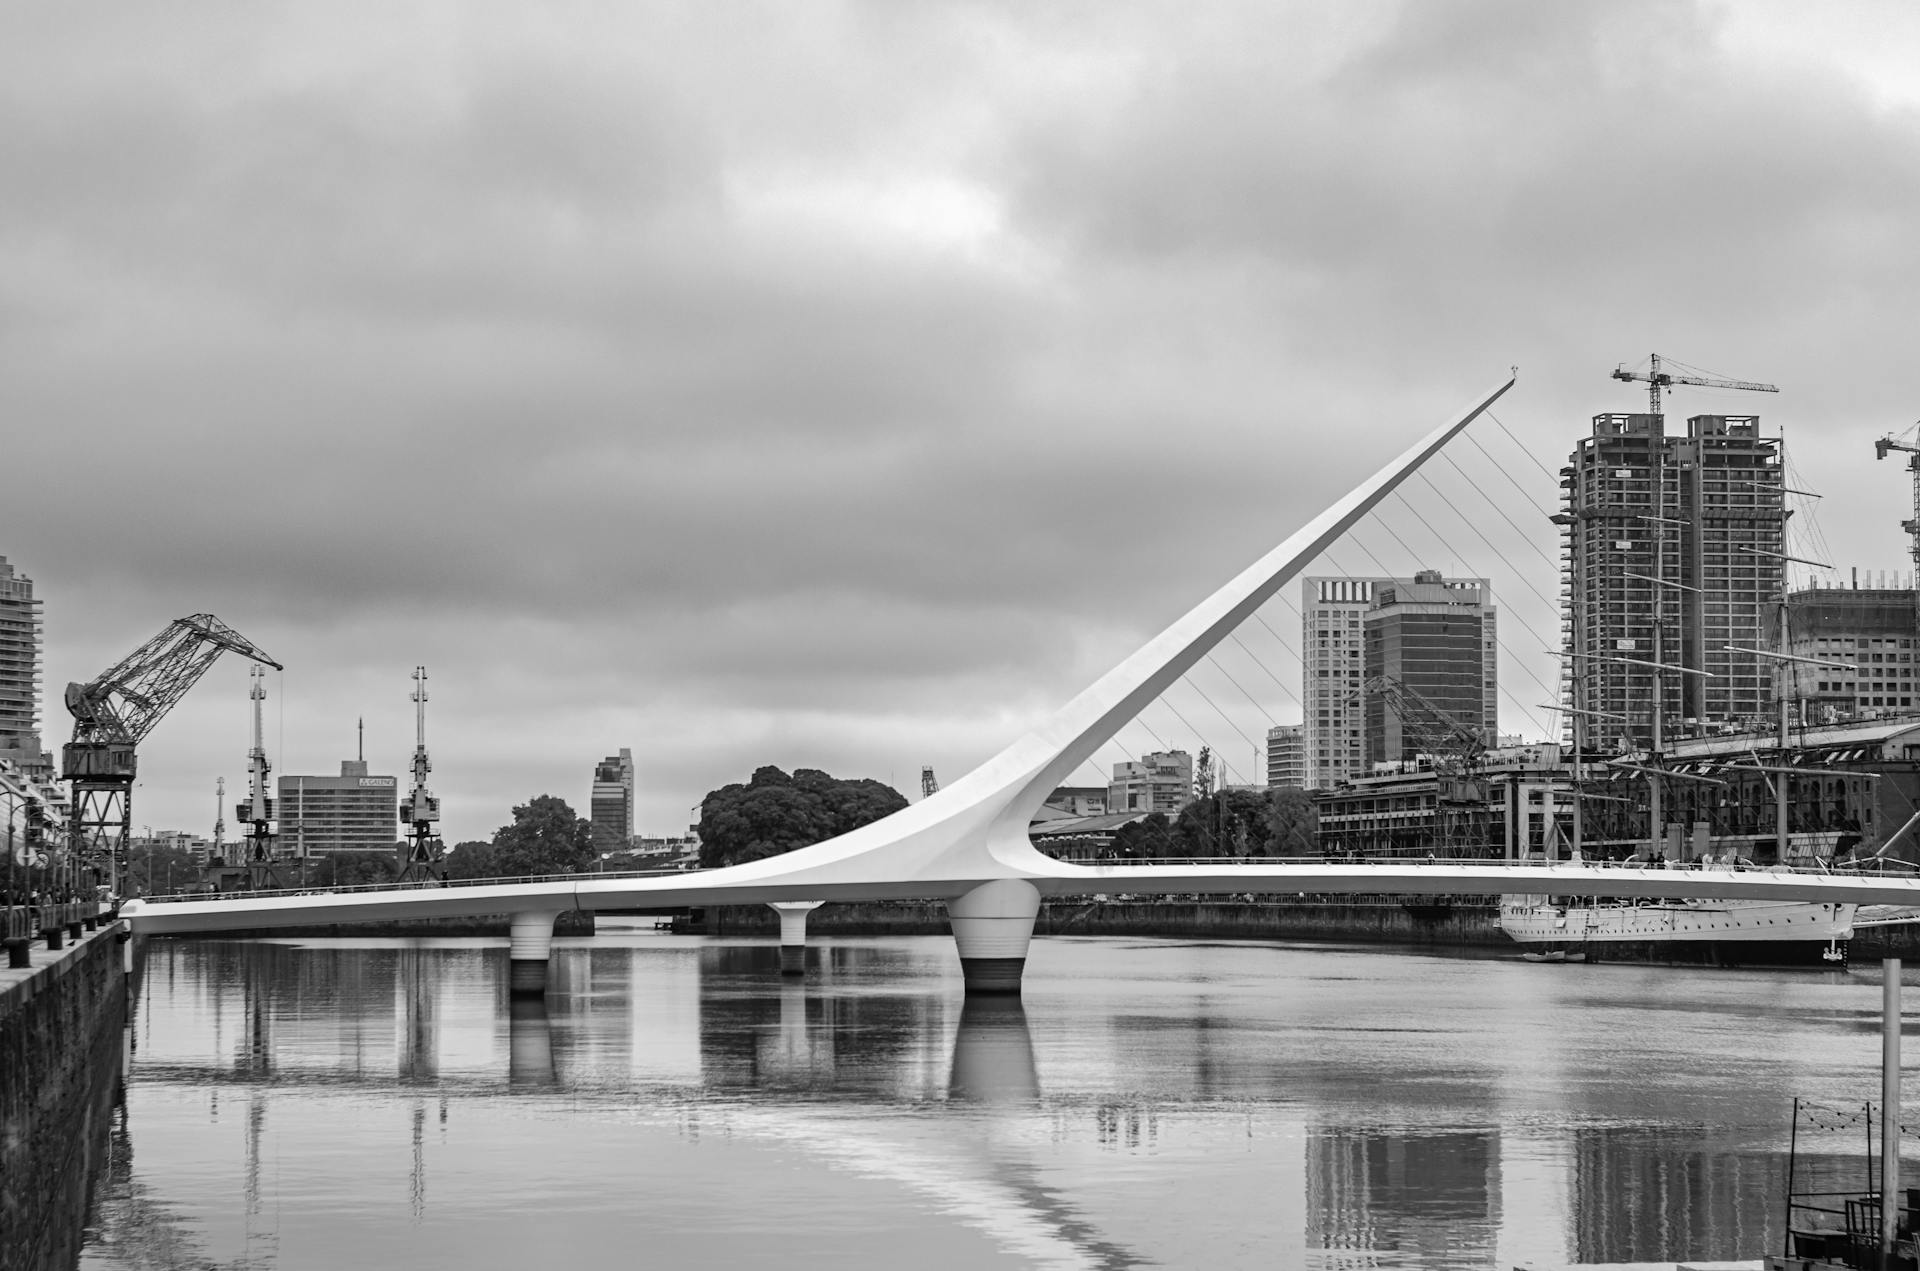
967,844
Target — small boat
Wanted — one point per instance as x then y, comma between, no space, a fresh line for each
1552,955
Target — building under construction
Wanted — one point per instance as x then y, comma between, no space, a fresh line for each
1855,653
1673,552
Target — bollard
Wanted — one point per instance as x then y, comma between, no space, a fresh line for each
54,935
19,953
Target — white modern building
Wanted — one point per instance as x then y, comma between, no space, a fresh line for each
1287,756
1159,782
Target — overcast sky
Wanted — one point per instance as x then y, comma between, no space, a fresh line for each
847,386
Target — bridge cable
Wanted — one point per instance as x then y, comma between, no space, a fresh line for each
1503,689
1271,721
1222,714
1263,666
1498,639
1502,469
1521,448
1189,726
1504,648
1498,510
1552,605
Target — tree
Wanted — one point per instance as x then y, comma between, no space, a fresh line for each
775,813
471,859
545,838
1149,838
1225,823
1293,825
156,868
351,869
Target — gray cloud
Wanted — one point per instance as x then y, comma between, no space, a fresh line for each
849,387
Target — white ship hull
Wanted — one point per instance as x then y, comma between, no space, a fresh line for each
1717,931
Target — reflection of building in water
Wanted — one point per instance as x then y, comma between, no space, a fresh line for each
1640,1195
591,991
1126,1125
1424,1196
870,1041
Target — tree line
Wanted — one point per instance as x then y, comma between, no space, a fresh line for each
1275,821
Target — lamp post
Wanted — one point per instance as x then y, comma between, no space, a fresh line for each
13,807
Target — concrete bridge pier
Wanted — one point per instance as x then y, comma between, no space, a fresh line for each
529,948
793,933
992,924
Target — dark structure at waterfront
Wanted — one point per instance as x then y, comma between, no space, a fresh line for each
60,1066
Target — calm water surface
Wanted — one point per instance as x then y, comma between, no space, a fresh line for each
381,1103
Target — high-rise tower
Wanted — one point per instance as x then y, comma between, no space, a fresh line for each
612,805
1436,640
1673,550
20,675
1333,668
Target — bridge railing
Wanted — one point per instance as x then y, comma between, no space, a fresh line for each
411,885
1887,869
25,922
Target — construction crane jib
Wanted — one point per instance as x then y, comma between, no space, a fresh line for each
115,711
1881,449
1658,380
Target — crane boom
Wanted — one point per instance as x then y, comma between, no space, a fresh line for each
1656,379
127,700
114,712
1881,449
1453,744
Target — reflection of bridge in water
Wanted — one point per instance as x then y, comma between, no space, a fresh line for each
651,1032
967,844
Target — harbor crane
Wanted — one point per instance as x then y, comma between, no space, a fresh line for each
1656,379
114,712
929,784
258,812
1881,449
1454,748
426,853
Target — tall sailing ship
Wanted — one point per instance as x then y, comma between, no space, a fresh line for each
1675,548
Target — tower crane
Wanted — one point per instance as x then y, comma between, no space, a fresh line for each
425,852
1881,449
115,711
1657,379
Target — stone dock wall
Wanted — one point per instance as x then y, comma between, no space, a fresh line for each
1421,921
61,1038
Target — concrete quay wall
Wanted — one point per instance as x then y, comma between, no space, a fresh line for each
61,1030
1383,920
